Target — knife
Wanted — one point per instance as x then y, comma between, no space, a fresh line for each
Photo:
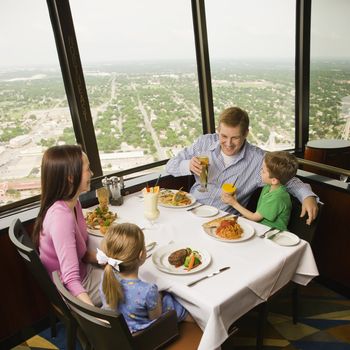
274,234
195,207
208,276
266,232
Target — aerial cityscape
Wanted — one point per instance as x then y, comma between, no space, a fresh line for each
143,113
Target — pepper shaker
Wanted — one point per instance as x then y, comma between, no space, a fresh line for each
116,197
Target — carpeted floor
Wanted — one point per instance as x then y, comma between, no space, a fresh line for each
324,324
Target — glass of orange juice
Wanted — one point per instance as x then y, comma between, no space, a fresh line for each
203,178
229,188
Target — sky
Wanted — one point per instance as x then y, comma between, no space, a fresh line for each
119,30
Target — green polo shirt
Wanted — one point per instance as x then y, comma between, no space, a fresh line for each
275,207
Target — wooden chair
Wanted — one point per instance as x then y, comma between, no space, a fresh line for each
25,248
107,330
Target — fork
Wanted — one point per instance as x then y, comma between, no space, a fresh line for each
265,233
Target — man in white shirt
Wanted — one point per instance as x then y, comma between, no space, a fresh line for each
232,159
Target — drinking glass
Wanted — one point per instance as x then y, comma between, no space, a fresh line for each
203,178
151,211
343,178
103,197
229,188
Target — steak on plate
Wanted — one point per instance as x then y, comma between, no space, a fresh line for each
178,257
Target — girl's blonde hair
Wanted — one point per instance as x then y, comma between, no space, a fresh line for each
123,242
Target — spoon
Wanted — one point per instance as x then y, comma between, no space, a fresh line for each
150,246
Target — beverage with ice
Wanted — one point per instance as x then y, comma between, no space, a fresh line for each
203,178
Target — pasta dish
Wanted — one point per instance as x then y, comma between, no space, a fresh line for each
174,198
229,229
100,219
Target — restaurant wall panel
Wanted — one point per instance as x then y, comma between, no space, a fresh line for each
332,238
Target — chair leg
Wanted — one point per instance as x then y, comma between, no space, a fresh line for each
71,335
295,304
52,318
262,317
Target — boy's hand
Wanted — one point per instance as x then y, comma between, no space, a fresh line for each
229,198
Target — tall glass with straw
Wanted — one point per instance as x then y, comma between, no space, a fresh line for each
151,211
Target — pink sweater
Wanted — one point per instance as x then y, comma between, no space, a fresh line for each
63,243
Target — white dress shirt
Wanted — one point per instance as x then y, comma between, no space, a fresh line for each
244,170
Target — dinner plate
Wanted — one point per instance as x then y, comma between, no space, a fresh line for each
205,211
94,232
193,200
285,238
160,259
248,232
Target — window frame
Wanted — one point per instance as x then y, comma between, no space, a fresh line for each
75,87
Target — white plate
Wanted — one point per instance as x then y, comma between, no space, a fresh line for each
205,211
193,200
285,238
94,232
160,259
248,232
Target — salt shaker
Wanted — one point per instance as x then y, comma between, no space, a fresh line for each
114,189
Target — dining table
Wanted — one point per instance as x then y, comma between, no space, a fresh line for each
256,267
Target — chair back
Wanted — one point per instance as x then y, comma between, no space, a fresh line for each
107,329
298,225
25,247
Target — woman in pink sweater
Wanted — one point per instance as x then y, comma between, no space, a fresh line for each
60,229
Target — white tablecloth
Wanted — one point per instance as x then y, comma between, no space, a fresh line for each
258,268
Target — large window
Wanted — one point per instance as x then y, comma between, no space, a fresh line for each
330,70
139,64
33,104
252,53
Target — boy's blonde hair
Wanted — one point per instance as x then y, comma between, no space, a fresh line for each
281,165
123,242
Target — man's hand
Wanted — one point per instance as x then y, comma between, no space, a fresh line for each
195,166
310,207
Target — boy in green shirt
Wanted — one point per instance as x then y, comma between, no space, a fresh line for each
274,204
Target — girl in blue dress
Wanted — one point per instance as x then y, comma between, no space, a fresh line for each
123,252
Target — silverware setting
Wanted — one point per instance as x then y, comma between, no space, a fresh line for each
266,232
149,247
208,276
194,207
274,234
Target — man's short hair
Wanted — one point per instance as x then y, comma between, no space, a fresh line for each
235,116
281,165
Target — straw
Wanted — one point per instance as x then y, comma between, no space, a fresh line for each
157,180
235,182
